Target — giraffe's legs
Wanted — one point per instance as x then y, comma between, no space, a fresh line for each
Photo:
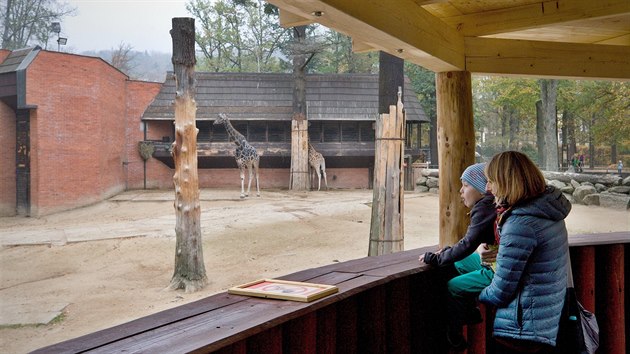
242,168
250,167
319,179
324,173
255,165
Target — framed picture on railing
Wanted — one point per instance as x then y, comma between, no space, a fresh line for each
284,290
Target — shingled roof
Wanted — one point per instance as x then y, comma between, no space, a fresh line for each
256,96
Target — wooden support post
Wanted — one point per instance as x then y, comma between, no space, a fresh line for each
190,272
583,266
611,318
456,146
387,227
299,178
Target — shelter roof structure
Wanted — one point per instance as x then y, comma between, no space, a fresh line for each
268,96
560,39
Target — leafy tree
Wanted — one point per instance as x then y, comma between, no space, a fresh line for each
504,110
238,36
423,83
28,22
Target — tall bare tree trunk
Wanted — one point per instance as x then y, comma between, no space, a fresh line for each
190,272
540,133
299,176
548,92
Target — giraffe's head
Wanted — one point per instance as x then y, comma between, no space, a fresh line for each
222,118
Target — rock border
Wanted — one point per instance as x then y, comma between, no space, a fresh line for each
606,190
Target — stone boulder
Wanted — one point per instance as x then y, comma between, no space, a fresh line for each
591,199
557,184
431,172
614,200
421,180
574,183
620,189
626,181
433,182
581,192
600,187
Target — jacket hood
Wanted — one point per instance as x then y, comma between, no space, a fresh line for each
552,205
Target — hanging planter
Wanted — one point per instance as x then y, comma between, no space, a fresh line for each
146,149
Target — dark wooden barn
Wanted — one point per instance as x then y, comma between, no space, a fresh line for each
341,110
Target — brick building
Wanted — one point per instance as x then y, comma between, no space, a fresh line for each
70,125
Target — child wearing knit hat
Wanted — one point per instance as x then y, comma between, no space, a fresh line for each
471,276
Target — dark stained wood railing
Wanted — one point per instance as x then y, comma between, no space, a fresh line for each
385,304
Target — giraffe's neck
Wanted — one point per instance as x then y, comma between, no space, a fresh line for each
232,132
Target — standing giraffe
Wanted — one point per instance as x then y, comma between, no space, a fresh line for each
318,164
245,154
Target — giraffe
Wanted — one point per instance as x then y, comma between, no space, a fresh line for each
318,164
245,154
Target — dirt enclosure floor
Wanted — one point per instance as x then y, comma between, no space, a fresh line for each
76,272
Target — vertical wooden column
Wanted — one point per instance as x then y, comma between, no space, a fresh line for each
387,226
611,318
456,148
583,267
299,155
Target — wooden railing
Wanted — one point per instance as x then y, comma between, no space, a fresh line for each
385,304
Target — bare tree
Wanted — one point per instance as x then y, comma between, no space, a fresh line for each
122,58
28,22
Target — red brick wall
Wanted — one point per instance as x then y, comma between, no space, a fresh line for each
7,159
161,177
78,131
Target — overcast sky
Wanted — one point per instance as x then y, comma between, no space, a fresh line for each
104,24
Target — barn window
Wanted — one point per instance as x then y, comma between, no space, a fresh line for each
315,131
331,132
349,131
218,133
367,131
241,127
257,131
278,131
205,130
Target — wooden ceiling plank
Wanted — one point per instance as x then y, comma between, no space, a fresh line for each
547,59
535,15
362,47
400,28
289,19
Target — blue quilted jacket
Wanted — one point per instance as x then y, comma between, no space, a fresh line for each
530,281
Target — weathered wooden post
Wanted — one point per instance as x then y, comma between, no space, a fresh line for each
299,179
456,146
190,272
387,226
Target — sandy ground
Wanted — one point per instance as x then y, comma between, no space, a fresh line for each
109,263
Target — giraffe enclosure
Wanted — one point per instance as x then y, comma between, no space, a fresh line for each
110,263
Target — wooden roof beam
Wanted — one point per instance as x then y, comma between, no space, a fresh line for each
400,28
535,15
550,59
289,19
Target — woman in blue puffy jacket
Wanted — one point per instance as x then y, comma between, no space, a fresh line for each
530,278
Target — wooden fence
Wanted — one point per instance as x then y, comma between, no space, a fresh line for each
385,304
